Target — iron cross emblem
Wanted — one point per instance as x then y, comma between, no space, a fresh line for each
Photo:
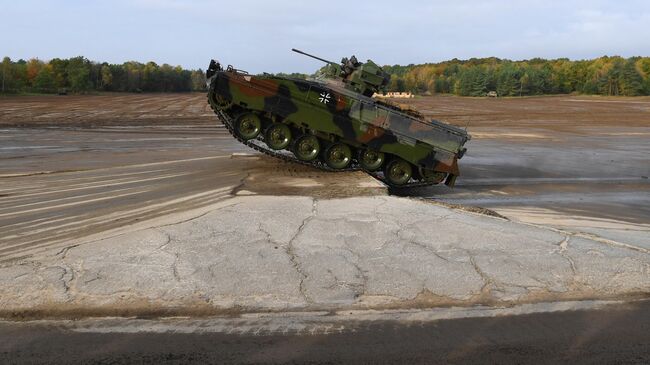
324,97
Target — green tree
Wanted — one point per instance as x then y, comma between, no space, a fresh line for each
79,74
44,81
524,84
507,80
6,74
631,82
478,82
151,77
609,80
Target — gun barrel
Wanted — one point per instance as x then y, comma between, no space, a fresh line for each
312,56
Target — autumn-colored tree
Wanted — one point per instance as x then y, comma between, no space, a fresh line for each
198,80
34,66
106,77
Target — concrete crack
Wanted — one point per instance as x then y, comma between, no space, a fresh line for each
174,223
290,251
360,271
175,268
93,279
64,251
430,250
563,246
591,237
487,280
176,255
66,281
169,240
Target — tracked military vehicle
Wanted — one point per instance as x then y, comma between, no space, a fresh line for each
333,123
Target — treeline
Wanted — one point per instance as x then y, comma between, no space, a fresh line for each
79,75
476,77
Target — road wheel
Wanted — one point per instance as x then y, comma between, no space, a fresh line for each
306,147
431,176
248,126
338,155
398,172
278,136
371,160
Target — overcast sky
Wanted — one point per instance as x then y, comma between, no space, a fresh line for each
257,35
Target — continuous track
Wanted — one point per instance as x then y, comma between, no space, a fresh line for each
259,145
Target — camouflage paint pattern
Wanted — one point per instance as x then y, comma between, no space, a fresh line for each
332,112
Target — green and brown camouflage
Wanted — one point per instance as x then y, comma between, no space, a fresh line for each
338,110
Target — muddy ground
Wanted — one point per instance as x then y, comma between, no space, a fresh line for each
73,166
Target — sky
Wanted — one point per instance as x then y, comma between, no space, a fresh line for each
257,35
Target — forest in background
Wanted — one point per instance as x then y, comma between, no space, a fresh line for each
79,75
475,77
609,76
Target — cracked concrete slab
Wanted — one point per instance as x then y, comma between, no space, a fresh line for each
274,253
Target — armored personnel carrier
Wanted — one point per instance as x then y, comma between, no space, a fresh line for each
333,123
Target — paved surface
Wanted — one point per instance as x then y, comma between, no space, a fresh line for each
278,253
614,334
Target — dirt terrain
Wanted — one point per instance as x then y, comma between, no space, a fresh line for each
549,113
559,113
109,109
81,165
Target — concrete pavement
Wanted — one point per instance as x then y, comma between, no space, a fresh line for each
261,253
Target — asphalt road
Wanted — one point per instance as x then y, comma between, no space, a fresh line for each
614,335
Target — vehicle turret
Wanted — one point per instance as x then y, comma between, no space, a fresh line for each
364,78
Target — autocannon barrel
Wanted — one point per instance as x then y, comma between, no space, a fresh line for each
312,56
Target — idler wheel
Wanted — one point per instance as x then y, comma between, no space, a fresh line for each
277,136
398,172
370,160
248,126
220,102
306,147
338,155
